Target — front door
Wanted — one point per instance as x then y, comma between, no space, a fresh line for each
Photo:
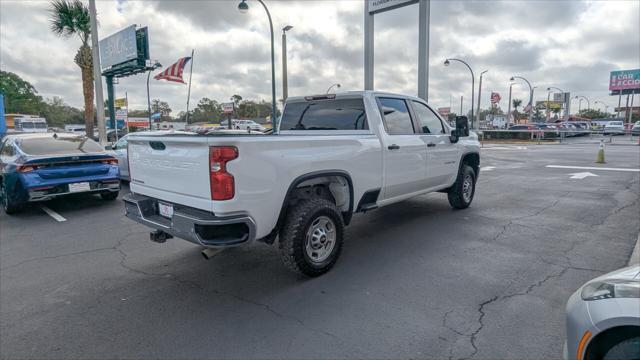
405,155
442,154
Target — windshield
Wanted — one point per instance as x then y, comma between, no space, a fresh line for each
58,146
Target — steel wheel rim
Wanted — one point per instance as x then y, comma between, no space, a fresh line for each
467,188
320,239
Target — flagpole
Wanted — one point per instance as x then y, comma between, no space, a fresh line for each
189,91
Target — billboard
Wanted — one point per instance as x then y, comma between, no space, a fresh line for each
444,111
376,6
120,103
624,80
119,47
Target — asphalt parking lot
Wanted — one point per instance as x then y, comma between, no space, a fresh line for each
415,280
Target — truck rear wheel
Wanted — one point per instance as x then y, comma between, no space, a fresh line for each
461,193
311,238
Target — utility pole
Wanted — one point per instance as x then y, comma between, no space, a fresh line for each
509,112
461,99
97,74
285,77
479,94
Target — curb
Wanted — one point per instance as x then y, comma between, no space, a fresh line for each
635,255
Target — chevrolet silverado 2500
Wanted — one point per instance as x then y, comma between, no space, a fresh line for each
332,156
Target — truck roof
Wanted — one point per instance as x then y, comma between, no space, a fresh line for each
351,94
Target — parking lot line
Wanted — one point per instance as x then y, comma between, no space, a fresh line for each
592,168
53,214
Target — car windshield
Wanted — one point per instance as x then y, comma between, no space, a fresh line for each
27,125
58,145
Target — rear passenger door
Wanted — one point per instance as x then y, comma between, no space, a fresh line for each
442,154
405,155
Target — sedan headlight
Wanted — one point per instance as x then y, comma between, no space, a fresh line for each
612,288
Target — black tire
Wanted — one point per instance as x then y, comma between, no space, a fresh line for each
627,349
10,207
294,236
109,196
460,195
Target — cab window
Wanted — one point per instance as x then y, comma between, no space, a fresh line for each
397,120
428,120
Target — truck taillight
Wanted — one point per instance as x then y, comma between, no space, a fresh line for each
222,183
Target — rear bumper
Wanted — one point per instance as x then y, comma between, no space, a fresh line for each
45,193
195,225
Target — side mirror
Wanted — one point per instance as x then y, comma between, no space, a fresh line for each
462,125
461,130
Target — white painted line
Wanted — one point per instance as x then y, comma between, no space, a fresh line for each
53,214
487,168
504,148
592,168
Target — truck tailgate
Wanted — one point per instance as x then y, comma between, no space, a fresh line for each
171,168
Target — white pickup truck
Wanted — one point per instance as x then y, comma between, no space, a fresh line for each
333,156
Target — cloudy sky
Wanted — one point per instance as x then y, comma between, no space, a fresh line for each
572,45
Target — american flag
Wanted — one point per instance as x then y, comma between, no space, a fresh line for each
528,108
174,72
495,98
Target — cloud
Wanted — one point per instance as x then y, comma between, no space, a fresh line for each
551,43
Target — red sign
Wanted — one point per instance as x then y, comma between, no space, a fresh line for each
444,111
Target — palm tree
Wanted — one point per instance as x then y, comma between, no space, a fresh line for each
68,18
517,103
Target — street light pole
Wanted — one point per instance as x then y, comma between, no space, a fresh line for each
509,112
530,94
473,85
606,106
566,104
97,74
579,102
285,77
479,95
244,7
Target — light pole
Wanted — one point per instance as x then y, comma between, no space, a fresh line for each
479,94
151,68
473,85
566,106
285,77
97,75
530,94
509,112
580,102
331,87
243,7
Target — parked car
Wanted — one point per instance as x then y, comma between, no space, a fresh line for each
119,151
614,128
334,155
635,129
603,317
248,125
39,167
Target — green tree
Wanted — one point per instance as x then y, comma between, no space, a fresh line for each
58,113
516,104
20,96
206,110
162,107
236,99
68,18
593,114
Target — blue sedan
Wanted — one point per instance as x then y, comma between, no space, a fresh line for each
39,167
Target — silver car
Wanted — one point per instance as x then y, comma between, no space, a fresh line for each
119,150
603,317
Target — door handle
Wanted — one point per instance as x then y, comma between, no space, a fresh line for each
393,147
431,145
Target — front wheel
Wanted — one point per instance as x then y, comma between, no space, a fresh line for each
109,195
311,238
461,193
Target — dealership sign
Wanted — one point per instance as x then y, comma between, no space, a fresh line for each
228,108
376,6
624,80
119,47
